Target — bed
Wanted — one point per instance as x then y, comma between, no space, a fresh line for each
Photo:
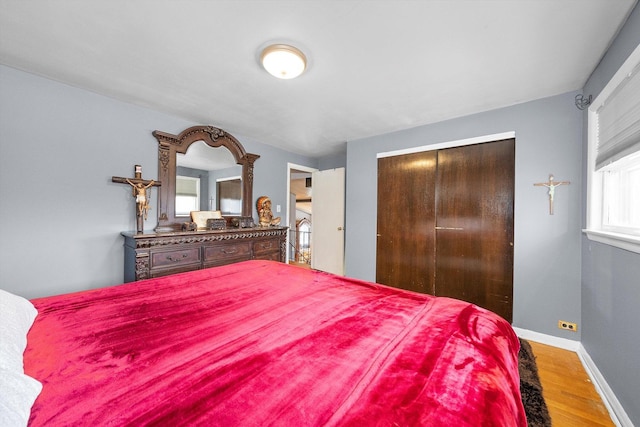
262,343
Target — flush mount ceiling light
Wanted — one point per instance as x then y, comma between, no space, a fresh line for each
283,61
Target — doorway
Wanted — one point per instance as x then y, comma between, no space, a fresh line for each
445,223
299,215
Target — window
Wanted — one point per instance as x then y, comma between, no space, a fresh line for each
613,215
187,195
621,195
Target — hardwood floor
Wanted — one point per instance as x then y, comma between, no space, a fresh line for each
570,396
300,264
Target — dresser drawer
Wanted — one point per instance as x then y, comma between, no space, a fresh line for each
175,258
216,253
269,256
160,272
263,247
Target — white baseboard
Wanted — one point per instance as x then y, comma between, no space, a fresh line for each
616,411
563,343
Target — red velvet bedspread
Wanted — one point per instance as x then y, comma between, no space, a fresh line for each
265,344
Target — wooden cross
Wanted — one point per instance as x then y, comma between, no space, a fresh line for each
551,185
139,188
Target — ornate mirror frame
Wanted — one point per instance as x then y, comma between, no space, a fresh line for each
169,145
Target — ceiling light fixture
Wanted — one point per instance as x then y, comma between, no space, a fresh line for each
283,61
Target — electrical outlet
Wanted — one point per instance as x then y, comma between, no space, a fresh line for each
568,326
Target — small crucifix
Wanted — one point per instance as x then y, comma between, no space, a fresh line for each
551,185
139,188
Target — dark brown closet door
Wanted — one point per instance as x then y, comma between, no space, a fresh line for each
474,226
406,222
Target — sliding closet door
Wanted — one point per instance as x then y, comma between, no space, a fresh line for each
445,223
474,225
406,223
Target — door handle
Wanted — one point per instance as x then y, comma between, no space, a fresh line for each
339,228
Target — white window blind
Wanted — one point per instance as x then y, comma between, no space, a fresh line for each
613,159
618,122
186,186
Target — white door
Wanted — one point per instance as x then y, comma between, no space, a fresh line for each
327,225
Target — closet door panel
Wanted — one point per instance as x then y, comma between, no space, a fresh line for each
405,231
474,226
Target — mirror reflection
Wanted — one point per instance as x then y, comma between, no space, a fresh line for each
229,196
207,179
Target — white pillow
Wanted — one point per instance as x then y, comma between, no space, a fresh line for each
19,391
16,317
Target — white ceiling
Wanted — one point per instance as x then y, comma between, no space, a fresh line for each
374,66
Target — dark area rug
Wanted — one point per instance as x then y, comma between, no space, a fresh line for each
531,389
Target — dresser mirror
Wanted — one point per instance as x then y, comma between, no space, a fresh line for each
208,179
175,151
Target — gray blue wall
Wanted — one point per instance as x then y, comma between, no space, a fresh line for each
546,247
334,161
60,214
611,276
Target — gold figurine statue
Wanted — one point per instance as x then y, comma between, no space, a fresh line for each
265,216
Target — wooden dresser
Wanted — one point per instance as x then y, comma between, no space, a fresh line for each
148,255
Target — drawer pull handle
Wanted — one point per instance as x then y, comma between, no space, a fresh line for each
229,252
170,258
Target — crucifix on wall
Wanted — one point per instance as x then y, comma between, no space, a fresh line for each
139,189
551,185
